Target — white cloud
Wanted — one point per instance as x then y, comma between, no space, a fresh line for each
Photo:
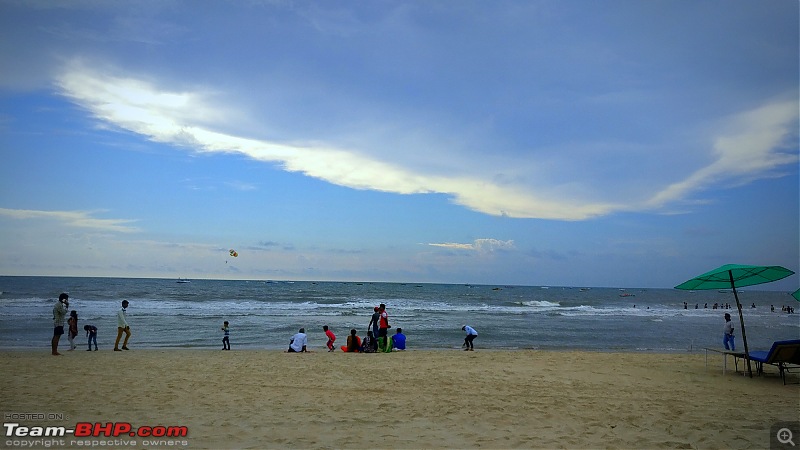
479,245
80,219
191,119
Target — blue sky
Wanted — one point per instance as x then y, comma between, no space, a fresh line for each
579,143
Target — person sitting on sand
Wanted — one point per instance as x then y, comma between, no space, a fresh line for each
299,342
353,343
369,344
399,340
471,335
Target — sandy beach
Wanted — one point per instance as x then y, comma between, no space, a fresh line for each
413,399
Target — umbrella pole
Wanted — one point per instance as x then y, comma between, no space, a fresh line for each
741,322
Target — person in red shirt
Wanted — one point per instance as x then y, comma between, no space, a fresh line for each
383,330
331,338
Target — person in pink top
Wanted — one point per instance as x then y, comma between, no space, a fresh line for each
331,338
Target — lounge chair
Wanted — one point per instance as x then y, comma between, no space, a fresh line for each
784,354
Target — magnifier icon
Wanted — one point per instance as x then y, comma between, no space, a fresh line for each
785,436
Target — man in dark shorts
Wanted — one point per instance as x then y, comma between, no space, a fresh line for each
59,313
372,328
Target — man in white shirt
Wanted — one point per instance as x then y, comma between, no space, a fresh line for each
122,327
471,335
298,342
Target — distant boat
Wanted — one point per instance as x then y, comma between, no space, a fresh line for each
627,294
183,280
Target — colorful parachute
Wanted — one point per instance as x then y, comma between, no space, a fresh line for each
233,253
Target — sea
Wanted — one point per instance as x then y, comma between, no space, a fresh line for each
264,314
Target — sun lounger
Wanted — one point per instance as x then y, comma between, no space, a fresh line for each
783,354
736,356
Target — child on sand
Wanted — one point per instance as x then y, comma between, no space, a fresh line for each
91,333
73,329
331,338
226,343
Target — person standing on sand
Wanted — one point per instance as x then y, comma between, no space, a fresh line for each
59,312
91,333
728,336
471,335
122,327
298,342
73,329
226,342
373,322
383,330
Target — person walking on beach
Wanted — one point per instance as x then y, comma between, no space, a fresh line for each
331,338
399,340
73,329
728,336
226,342
59,312
91,333
471,335
122,327
298,342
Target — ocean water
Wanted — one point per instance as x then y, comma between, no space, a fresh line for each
265,314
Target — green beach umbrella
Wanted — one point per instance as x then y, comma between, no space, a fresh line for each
733,276
796,295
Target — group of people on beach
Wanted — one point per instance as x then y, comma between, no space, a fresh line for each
377,338
59,314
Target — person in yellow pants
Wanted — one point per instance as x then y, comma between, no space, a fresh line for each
122,327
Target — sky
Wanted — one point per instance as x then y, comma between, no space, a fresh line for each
556,143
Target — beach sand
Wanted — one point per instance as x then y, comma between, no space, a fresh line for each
412,399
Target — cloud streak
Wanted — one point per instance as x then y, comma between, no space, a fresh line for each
479,245
751,150
79,219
